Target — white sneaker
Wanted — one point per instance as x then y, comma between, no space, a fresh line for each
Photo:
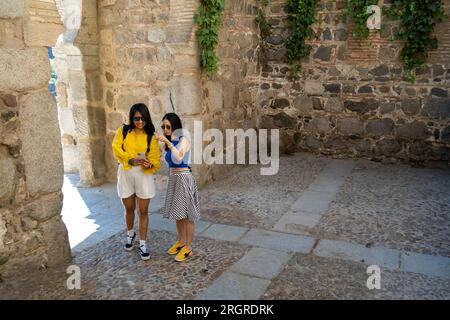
144,253
130,242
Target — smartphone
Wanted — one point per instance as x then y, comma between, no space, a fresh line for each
141,155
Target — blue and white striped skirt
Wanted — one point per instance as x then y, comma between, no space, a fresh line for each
182,201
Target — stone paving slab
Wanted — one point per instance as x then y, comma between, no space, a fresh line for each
297,222
224,232
355,252
313,202
233,286
326,184
278,241
425,264
262,263
312,277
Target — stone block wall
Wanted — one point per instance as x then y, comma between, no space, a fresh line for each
32,234
149,53
353,100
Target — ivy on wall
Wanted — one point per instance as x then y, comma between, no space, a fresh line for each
301,17
418,19
208,19
261,19
357,11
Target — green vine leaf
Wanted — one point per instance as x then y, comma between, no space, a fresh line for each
418,19
301,17
208,19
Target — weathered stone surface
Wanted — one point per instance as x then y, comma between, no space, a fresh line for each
381,70
341,35
446,134
410,106
365,89
323,53
388,147
45,207
275,39
380,127
38,33
333,87
350,126
125,102
24,69
97,120
361,106
327,35
312,142
419,149
7,100
437,108
336,144
313,87
414,130
7,177
387,107
283,120
321,125
56,240
333,104
439,92
41,143
115,120
281,103
11,9
186,95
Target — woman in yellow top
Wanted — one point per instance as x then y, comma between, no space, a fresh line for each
137,151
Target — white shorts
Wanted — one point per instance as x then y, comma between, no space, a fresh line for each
135,181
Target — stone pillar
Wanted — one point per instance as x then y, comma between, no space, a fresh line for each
83,121
32,234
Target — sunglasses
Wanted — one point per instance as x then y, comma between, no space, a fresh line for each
165,127
136,119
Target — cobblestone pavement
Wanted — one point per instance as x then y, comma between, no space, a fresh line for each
354,214
250,199
110,272
393,206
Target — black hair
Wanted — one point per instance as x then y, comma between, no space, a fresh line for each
149,127
175,124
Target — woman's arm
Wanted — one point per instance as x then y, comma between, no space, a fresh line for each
180,150
154,156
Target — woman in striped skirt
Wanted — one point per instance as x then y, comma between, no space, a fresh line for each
182,203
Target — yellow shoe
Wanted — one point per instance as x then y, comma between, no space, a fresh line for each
175,248
183,254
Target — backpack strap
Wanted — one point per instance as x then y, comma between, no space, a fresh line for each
124,135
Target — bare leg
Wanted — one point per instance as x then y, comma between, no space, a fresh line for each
130,205
181,231
143,217
190,230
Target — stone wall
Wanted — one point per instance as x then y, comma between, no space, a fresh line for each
32,234
149,54
354,100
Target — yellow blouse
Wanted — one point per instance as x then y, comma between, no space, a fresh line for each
133,144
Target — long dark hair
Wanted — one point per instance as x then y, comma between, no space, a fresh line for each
149,127
175,123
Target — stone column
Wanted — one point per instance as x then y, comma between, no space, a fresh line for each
32,234
84,116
